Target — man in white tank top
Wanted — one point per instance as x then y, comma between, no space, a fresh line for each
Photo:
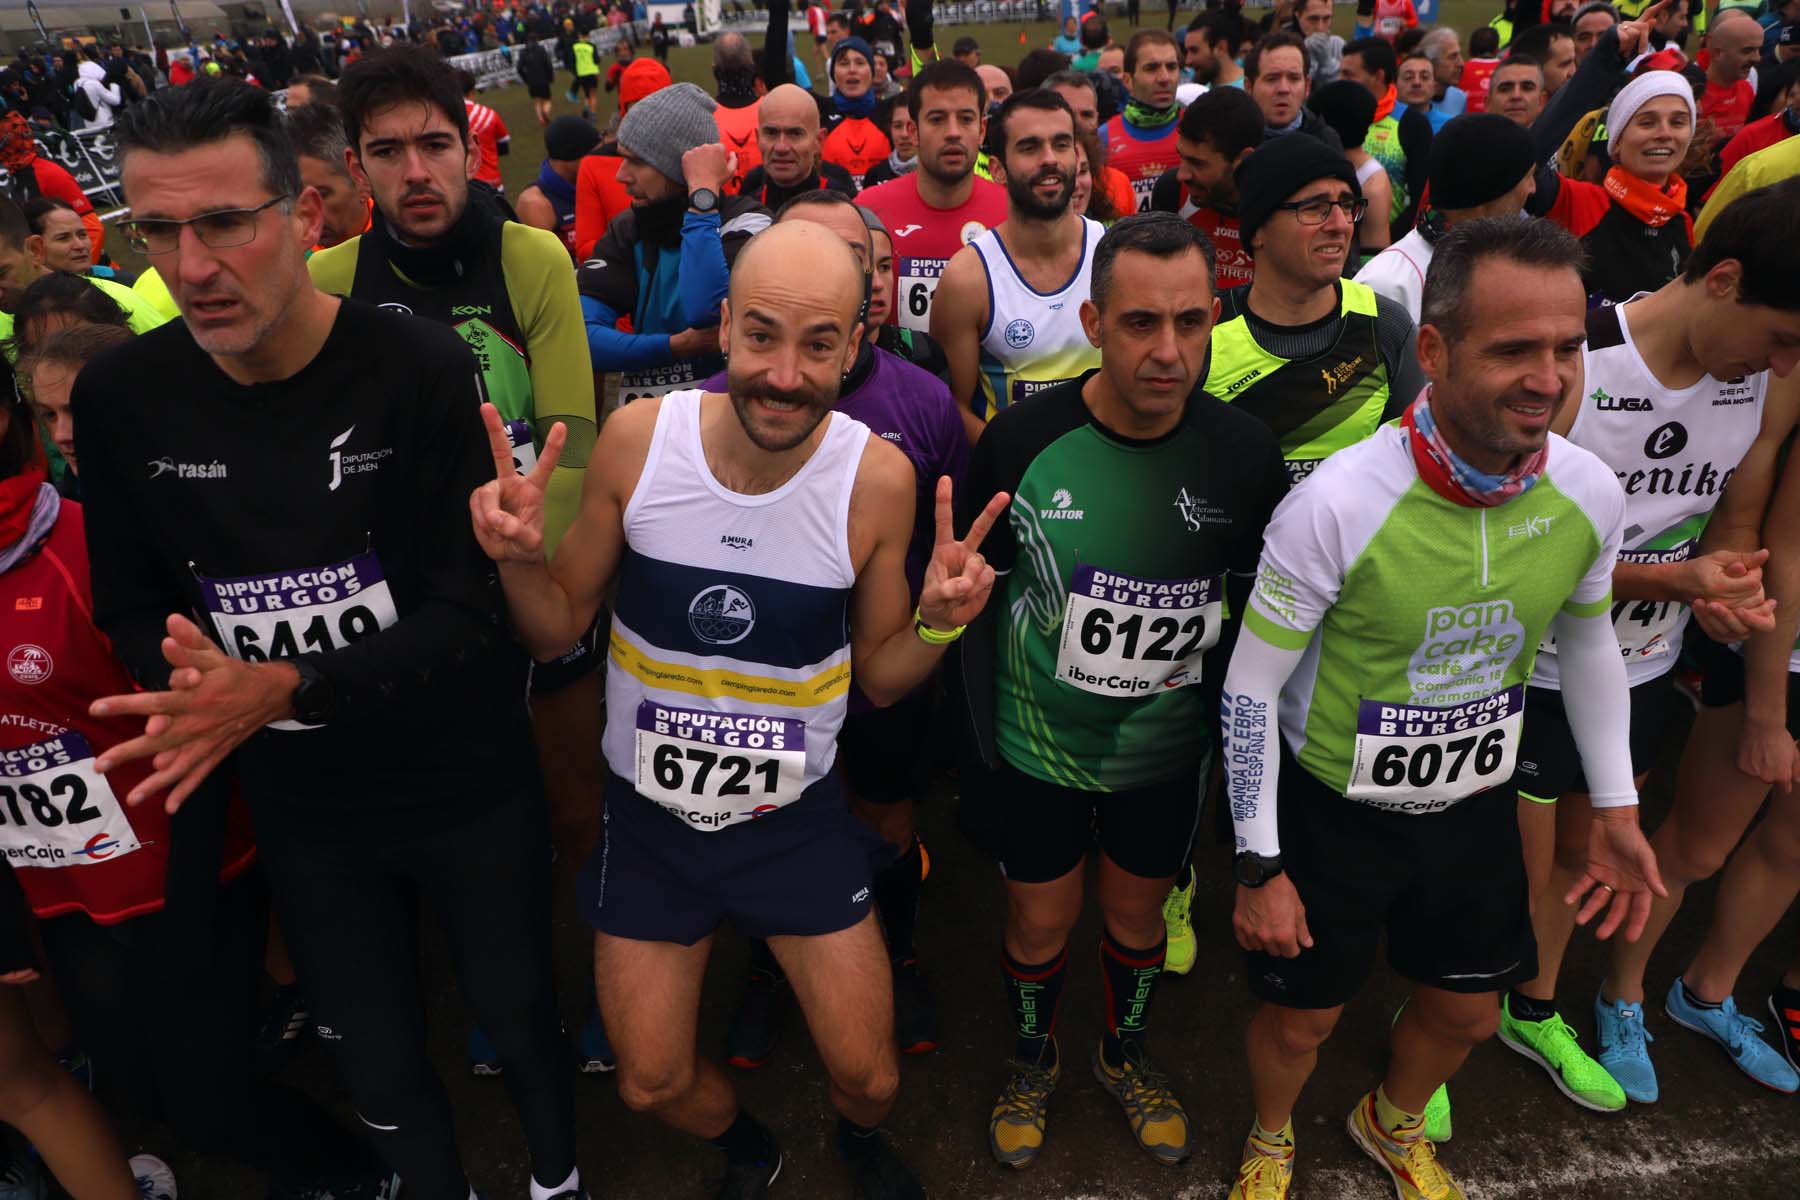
1008,309
757,542
1678,400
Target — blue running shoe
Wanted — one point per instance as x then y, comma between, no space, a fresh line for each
1737,1034
593,1050
1623,1048
483,1058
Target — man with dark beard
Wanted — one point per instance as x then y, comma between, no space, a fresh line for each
665,261
1023,281
755,544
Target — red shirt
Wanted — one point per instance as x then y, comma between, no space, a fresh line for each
1729,106
737,132
1232,264
855,144
925,237
74,843
599,197
1142,154
1477,75
487,131
1759,134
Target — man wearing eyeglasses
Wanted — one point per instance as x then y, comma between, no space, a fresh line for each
1320,358
296,467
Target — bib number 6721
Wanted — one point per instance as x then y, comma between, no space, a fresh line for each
691,768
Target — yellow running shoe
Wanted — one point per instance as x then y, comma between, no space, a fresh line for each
1178,907
1016,1127
1266,1171
1408,1156
1156,1117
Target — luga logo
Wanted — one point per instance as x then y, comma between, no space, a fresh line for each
470,310
1606,403
1061,501
1666,441
29,664
1019,333
721,615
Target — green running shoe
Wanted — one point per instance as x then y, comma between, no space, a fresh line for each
1437,1115
1178,907
1551,1045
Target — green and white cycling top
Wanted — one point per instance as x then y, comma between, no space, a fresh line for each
1420,617
1673,450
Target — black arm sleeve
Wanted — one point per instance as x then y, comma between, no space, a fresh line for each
775,68
442,653
1601,74
918,23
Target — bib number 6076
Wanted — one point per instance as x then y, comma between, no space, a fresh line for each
1422,765
670,764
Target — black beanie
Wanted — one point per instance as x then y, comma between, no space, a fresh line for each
1347,107
569,137
1275,170
1478,158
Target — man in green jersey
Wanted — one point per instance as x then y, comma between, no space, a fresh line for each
1374,702
1090,690
442,249
1321,359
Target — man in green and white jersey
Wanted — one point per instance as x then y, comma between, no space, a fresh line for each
1373,706
1137,513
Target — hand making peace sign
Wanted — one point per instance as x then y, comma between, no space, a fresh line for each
957,579
508,513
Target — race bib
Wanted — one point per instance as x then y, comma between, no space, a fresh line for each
1389,27
1142,190
1646,627
285,614
524,449
915,294
56,810
716,769
656,381
1130,637
1413,758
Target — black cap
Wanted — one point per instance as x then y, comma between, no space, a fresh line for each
569,137
1477,158
1349,108
1272,173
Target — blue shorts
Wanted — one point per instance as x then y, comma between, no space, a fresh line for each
802,870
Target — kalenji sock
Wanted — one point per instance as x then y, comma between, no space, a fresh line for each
1391,1119
1130,976
897,888
571,1185
748,1143
1035,992
1525,1008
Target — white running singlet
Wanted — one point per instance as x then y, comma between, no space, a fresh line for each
1033,339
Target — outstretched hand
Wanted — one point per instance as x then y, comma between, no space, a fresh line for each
958,580
508,513
1621,878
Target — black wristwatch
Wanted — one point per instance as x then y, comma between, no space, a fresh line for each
703,200
313,699
1254,870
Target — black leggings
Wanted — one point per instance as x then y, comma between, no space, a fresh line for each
183,1042
349,900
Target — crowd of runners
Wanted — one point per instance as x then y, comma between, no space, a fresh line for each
1345,445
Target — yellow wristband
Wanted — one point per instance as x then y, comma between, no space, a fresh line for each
935,637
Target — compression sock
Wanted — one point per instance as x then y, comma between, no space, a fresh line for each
1130,976
748,1143
897,888
855,1140
1391,1119
568,1187
763,959
1035,992
1687,993
1525,1008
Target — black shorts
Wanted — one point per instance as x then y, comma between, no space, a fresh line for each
578,661
1549,766
801,870
1041,831
538,93
1723,684
588,83
1448,889
884,750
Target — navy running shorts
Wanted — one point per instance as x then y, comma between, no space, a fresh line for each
1549,765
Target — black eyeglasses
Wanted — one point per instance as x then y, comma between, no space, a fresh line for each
220,230
1317,210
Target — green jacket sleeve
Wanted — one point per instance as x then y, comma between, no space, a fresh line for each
548,310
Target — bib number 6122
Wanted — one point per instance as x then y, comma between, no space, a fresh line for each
1423,765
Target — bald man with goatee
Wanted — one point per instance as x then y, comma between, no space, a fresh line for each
718,522
787,135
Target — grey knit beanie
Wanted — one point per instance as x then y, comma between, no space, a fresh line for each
668,123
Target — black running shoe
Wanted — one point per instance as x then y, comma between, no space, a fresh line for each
917,1022
876,1170
1784,1006
286,1022
750,1182
751,1040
